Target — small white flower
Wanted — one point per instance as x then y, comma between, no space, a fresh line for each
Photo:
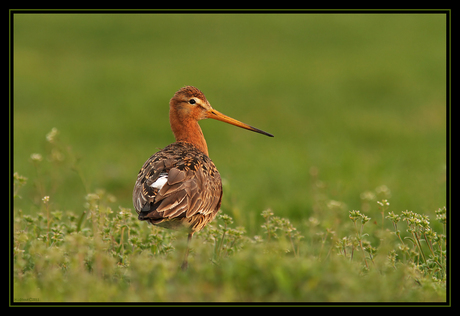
383,190
51,136
36,157
367,196
92,197
332,204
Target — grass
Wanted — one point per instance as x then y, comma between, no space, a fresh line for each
357,107
102,253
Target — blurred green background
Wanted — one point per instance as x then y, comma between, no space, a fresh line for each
358,98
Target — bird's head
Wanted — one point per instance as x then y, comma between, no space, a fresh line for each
190,103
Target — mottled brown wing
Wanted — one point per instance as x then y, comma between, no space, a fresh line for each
193,185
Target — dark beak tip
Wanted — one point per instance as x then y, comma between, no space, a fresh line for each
262,132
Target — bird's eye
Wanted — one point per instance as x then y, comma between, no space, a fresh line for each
192,101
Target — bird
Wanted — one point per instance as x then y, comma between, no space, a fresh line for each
179,187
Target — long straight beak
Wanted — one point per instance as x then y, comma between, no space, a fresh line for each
214,114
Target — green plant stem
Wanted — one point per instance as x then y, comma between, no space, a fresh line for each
414,234
80,221
432,252
219,249
292,244
364,253
48,223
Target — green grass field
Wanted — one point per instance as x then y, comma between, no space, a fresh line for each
357,104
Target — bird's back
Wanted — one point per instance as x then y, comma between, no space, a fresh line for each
178,186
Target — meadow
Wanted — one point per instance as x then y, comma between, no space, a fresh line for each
347,203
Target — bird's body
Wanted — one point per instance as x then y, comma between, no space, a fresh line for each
179,186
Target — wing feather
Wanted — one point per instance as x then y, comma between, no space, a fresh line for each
193,185
175,176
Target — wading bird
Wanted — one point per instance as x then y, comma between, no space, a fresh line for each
179,186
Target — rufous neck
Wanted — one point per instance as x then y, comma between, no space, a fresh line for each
187,130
